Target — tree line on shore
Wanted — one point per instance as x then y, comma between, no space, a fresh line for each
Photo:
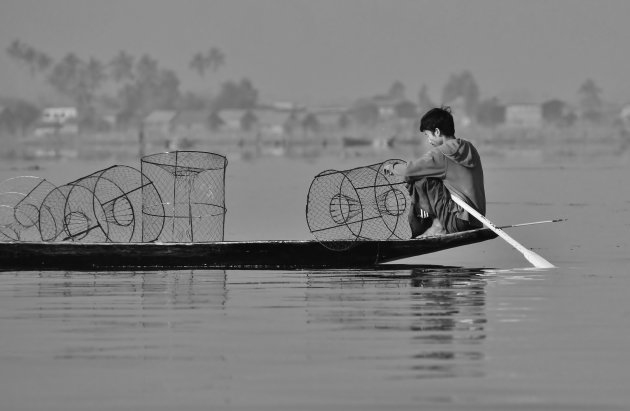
133,86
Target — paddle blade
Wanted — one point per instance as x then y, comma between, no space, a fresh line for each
536,260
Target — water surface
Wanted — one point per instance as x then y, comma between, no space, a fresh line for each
470,328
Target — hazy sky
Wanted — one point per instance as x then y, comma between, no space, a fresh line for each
326,51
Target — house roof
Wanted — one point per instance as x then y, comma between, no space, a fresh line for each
160,116
232,115
329,110
192,117
61,108
387,101
523,107
522,104
329,118
271,118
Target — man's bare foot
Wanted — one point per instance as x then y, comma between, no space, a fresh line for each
435,229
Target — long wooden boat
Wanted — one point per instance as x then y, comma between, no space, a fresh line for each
276,254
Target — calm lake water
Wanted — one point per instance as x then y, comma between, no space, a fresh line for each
467,329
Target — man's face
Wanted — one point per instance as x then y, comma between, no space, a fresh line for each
434,137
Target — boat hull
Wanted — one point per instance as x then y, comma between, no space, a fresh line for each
275,254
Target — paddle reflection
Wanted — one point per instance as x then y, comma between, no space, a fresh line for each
440,312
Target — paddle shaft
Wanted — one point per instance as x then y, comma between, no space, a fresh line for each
536,260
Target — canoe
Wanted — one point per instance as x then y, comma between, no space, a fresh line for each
274,254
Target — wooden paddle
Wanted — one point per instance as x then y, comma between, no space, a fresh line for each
536,260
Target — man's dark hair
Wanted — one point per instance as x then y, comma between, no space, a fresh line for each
438,118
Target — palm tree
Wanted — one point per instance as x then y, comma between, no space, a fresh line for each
15,50
198,64
424,101
121,67
66,74
96,73
215,58
212,60
590,100
35,60
42,62
147,69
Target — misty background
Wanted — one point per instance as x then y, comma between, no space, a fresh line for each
371,67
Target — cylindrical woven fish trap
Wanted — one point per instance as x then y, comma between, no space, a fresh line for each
191,200
102,207
20,202
357,204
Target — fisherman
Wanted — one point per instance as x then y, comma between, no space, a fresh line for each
453,166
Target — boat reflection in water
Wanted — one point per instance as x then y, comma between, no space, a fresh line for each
117,315
440,312
420,322
248,337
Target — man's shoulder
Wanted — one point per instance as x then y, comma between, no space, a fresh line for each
456,143
451,146
434,152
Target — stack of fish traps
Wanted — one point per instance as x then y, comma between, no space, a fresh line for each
175,197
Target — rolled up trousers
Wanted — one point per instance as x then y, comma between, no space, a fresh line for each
432,196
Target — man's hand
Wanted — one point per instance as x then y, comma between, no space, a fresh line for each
388,169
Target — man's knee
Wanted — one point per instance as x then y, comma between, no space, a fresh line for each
430,195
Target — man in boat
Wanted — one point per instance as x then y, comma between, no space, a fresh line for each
452,165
